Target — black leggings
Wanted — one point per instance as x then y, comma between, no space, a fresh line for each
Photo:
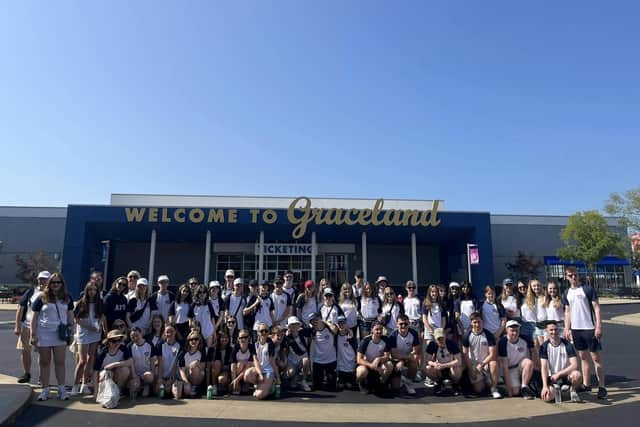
320,370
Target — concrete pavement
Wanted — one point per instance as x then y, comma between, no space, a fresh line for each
14,398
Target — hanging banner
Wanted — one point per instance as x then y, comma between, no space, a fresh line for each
474,255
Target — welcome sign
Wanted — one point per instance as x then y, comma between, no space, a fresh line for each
300,214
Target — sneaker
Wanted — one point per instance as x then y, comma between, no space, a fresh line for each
584,389
86,389
575,397
44,394
305,385
62,393
419,377
410,390
24,378
564,387
602,392
496,394
145,390
428,382
75,390
527,393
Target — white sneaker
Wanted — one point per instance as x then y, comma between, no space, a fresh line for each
575,398
75,390
62,393
305,386
496,394
430,383
44,394
410,390
564,387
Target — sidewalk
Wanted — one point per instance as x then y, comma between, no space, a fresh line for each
14,398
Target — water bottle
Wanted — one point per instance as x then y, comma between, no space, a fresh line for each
210,392
558,393
277,393
161,392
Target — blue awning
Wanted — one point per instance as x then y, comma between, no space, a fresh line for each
608,260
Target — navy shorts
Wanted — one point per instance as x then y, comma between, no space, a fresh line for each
585,339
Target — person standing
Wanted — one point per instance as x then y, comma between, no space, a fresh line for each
288,286
141,307
236,303
24,314
163,297
132,280
52,311
358,284
229,277
282,302
583,324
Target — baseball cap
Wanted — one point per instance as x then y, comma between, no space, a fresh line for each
253,283
513,324
214,284
308,284
438,333
507,281
238,281
163,278
293,320
327,291
313,316
142,281
341,319
358,273
44,274
278,279
382,279
454,285
229,273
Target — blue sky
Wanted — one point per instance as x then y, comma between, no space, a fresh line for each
507,107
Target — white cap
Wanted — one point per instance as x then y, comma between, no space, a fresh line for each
214,283
293,320
454,285
142,281
44,274
382,279
513,323
163,278
238,281
229,273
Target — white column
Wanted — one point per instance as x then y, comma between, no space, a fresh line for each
414,260
105,270
313,256
261,258
207,257
364,256
152,261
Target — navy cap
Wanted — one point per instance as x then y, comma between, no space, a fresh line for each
253,283
507,281
341,319
313,316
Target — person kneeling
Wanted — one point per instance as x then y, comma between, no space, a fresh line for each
405,351
444,363
264,371
115,357
374,362
144,357
559,365
517,366
191,367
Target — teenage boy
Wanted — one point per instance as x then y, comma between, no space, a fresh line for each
480,357
405,354
514,353
229,277
236,303
444,363
374,360
358,284
281,303
583,325
23,324
559,365
288,285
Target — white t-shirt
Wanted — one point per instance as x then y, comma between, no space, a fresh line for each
412,308
529,314
491,317
558,356
263,313
280,304
371,349
346,354
323,348
467,308
580,309
434,316
511,304
29,315
555,313
514,352
164,303
478,344
141,355
350,312
169,354
235,304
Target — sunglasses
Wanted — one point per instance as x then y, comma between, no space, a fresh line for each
114,340
389,294
133,277
402,325
56,282
263,331
243,337
410,287
231,322
122,284
571,275
194,339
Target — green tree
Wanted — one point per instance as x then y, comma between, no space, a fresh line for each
627,207
587,238
524,267
29,268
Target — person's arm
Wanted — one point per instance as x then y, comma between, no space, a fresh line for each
596,311
504,362
361,360
256,365
19,314
126,363
546,387
500,331
465,358
276,369
34,327
492,356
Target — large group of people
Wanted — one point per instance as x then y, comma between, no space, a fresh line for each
270,337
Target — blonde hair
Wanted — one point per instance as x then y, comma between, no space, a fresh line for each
557,300
532,298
